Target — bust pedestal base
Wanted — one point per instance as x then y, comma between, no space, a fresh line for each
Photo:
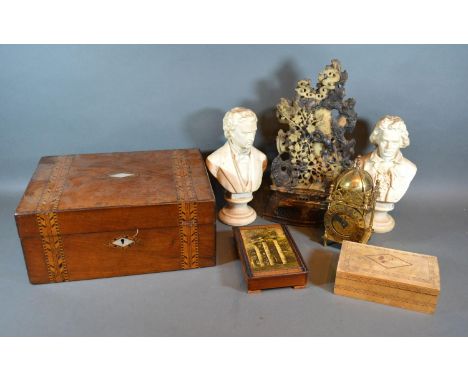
237,213
383,222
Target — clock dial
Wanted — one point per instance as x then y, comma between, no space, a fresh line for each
344,221
342,224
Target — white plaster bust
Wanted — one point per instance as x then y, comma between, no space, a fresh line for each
238,166
387,165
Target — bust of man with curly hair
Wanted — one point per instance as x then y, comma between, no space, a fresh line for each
386,164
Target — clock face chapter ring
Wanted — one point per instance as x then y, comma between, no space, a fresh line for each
344,221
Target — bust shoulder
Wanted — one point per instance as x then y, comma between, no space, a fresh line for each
219,154
407,168
217,158
261,157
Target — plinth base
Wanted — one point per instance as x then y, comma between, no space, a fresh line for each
236,212
383,221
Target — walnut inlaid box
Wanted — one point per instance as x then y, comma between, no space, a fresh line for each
102,215
269,257
388,276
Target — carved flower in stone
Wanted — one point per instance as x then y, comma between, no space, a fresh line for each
297,119
294,137
310,129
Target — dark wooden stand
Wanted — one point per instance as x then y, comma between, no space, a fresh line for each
297,208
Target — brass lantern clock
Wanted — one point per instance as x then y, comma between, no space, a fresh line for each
351,206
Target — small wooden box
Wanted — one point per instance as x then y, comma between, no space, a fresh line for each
103,215
388,276
269,257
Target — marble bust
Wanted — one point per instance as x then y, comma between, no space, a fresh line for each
238,166
390,170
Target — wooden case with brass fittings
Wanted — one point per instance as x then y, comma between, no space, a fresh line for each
269,257
351,206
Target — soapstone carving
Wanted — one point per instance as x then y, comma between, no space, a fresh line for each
314,150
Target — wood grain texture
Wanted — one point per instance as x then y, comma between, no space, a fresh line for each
74,205
255,281
89,183
91,256
398,278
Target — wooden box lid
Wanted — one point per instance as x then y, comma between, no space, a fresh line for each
389,268
114,191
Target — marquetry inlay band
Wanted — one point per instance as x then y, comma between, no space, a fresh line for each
187,208
47,221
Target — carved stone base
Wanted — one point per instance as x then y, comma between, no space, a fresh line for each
236,212
383,222
297,208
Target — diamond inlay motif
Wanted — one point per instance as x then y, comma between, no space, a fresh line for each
121,175
122,242
388,261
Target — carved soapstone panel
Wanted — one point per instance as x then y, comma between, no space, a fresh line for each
313,149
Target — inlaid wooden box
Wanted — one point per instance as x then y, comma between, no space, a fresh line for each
388,276
269,257
103,215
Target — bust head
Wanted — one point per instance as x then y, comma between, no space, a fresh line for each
389,135
240,126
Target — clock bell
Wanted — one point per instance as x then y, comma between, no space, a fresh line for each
351,206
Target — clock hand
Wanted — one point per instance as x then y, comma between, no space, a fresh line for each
342,221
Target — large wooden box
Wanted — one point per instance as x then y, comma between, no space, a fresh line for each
388,276
104,215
